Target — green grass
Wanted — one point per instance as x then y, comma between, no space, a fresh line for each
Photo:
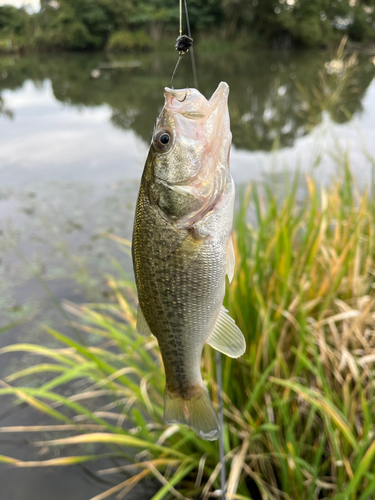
299,405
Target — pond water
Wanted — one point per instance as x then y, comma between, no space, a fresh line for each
74,134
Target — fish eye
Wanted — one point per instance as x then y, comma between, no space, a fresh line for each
163,140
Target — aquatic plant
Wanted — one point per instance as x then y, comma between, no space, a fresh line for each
336,91
299,405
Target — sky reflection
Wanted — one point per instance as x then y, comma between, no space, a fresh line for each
50,139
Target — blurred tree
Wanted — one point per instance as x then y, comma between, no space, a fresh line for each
82,24
88,24
72,24
362,20
119,11
159,15
13,21
238,13
205,15
154,14
308,22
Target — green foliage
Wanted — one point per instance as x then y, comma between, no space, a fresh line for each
363,24
15,28
123,41
5,47
82,24
88,24
159,15
311,23
13,21
307,23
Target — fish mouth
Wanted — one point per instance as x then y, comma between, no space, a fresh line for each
193,95
193,105
186,106
179,94
193,116
183,99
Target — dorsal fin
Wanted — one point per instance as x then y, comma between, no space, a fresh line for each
142,326
226,336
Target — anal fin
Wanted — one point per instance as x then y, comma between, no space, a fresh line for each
226,336
142,326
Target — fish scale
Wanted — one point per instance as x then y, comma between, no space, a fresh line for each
179,320
182,249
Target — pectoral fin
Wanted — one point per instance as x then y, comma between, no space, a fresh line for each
229,264
227,337
142,326
189,249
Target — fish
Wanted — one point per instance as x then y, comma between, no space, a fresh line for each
182,249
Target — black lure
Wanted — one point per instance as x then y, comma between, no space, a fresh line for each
183,44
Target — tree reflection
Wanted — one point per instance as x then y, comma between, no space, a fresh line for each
275,97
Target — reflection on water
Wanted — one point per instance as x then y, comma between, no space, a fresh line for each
274,97
74,131
85,117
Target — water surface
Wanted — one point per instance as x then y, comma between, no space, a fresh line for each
74,134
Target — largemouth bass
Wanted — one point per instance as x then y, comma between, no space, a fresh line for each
182,248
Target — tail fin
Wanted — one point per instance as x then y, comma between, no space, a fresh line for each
197,412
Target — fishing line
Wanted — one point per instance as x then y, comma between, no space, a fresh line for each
180,17
219,377
184,44
192,49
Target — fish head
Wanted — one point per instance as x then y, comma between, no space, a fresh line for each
190,152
